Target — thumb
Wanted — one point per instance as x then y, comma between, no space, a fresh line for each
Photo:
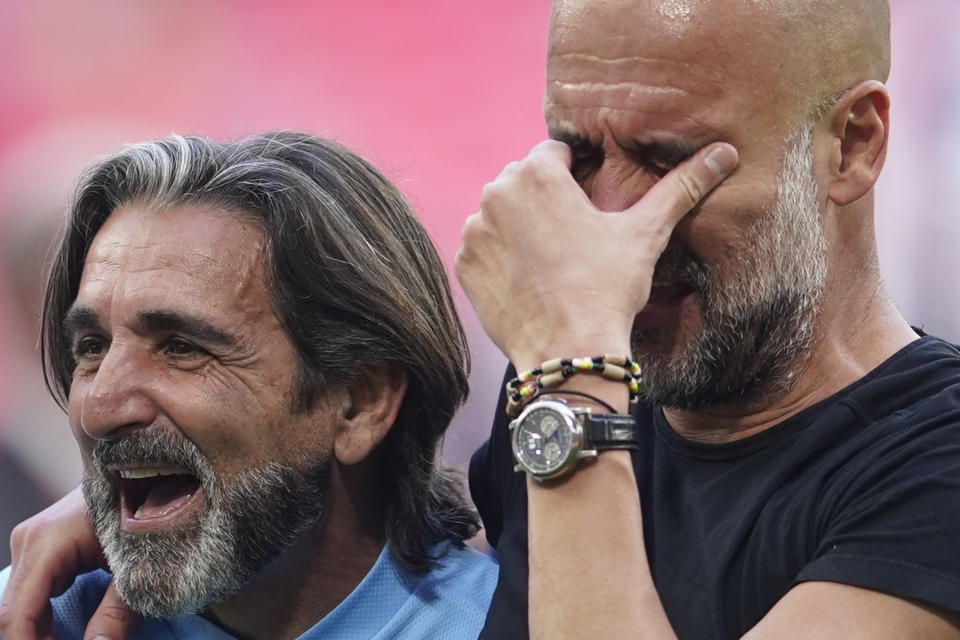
686,185
113,620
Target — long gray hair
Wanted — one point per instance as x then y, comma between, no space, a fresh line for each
354,280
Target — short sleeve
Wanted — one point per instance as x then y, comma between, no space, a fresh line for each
891,522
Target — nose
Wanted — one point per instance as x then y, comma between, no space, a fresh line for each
117,397
617,185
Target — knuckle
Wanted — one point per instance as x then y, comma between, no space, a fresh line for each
112,619
537,170
470,229
21,535
511,166
459,264
692,189
18,535
116,614
490,193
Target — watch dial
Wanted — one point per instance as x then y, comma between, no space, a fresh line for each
543,441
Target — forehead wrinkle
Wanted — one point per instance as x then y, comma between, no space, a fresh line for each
585,121
223,265
630,79
788,54
631,87
587,57
618,65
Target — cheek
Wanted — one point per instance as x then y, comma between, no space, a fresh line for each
718,230
235,427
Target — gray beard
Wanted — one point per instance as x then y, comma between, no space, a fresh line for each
758,323
244,526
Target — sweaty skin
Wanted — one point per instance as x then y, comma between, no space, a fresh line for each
624,82
635,87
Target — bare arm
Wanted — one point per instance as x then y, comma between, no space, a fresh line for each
49,550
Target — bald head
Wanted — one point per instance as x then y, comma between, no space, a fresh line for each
804,51
837,43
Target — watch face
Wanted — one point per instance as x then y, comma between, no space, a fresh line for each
545,439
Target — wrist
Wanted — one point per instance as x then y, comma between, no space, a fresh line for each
554,375
528,354
552,438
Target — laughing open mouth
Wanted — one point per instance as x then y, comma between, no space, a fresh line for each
155,494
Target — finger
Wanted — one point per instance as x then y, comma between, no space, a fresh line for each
686,185
112,619
553,150
35,577
510,168
47,552
25,611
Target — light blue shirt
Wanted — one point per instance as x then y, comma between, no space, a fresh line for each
449,602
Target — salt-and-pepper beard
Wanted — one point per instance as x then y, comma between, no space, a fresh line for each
757,323
244,525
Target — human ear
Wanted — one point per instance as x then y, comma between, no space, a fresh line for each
859,123
374,400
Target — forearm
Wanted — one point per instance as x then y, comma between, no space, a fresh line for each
589,575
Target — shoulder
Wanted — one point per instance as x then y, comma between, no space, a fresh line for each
461,584
464,572
450,601
888,514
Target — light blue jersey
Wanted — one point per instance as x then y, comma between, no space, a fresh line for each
449,602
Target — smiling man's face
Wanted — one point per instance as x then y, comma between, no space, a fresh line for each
197,469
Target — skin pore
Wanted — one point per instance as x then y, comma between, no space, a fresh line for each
633,82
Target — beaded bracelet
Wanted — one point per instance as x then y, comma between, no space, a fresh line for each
553,372
550,393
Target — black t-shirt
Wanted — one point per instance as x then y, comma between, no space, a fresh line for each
862,488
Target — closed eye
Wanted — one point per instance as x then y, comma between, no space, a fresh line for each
585,162
660,158
658,168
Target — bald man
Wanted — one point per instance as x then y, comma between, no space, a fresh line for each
706,206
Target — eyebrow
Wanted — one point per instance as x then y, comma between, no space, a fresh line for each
188,325
671,152
79,318
573,140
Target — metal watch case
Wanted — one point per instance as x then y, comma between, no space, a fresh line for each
548,439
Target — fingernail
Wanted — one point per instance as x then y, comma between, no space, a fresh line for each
102,638
722,160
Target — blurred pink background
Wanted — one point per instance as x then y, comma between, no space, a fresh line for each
440,95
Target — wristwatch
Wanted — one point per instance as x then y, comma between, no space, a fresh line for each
549,437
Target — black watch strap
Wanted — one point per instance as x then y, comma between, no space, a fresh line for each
610,431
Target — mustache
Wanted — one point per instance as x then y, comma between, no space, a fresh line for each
678,264
153,446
